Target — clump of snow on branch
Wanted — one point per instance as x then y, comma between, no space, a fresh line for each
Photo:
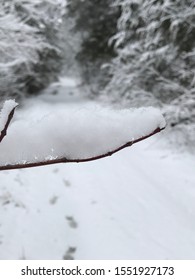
74,132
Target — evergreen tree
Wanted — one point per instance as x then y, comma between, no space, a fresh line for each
29,45
155,62
155,43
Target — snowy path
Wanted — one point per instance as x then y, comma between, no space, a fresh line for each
137,204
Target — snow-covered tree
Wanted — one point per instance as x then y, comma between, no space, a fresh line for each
156,46
155,61
29,45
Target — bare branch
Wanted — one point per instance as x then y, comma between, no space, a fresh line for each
66,160
8,117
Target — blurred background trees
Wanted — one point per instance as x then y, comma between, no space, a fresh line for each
155,46
30,55
155,62
138,52
96,22
131,52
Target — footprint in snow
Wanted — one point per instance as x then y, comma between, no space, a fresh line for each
56,170
67,183
18,180
71,221
69,255
1,237
53,200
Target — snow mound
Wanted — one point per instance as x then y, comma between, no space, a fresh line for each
73,131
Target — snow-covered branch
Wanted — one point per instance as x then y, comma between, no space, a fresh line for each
72,134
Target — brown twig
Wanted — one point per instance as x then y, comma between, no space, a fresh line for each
4,131
66,160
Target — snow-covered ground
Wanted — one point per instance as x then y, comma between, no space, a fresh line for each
137,204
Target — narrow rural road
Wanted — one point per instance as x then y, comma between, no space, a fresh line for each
138,203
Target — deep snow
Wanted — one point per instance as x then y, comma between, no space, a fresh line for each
137,204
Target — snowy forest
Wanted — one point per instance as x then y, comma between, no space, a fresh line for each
108,71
